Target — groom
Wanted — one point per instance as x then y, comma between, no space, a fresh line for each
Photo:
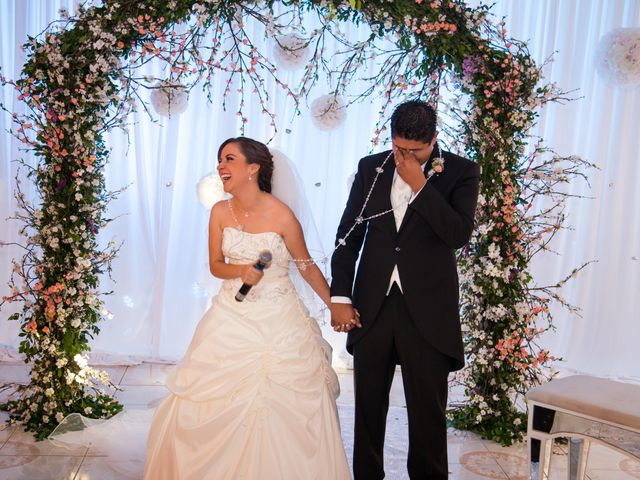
402,309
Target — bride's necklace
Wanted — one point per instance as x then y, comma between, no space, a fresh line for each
247,213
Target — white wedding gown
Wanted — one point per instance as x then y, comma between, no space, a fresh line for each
254,397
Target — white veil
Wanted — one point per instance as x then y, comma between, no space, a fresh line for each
288,187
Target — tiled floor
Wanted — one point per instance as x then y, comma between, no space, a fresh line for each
470,457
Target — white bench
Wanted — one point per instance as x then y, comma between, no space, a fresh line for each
582,409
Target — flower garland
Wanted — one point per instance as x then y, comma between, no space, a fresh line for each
80,80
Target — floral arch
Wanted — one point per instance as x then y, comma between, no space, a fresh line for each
80,80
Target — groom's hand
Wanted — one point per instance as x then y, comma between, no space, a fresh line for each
409,168
344,317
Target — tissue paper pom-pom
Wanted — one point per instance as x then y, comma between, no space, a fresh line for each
290,51
618,57
169,98
328,112
210,190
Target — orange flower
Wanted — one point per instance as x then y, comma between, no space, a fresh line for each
31,327
50,310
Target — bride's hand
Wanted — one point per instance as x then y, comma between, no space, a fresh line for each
251,275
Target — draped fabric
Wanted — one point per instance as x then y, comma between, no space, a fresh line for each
161,282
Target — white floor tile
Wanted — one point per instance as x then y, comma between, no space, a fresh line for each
38,468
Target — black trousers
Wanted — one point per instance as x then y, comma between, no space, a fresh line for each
394,339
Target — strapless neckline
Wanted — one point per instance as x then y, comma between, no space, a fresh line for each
252,233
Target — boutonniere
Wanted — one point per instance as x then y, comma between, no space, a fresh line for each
437,165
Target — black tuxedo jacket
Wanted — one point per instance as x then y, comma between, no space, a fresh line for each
437,222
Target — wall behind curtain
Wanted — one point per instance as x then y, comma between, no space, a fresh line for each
161,287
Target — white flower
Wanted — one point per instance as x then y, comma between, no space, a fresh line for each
88,410
80,360
49,392
59,417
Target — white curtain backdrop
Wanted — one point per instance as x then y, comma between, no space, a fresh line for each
161,284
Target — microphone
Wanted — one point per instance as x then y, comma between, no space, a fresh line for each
263,259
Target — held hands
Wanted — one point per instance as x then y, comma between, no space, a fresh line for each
344,317
409,168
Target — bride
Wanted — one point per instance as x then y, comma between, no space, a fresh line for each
254,396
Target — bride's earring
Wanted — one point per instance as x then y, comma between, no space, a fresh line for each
250,178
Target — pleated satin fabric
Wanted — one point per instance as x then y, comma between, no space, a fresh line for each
254,396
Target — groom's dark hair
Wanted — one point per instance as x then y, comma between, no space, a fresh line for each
255,152
414,120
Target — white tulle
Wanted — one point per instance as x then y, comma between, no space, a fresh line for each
123,438
288,187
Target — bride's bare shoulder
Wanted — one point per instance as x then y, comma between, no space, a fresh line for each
220,205
281,209
219,211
